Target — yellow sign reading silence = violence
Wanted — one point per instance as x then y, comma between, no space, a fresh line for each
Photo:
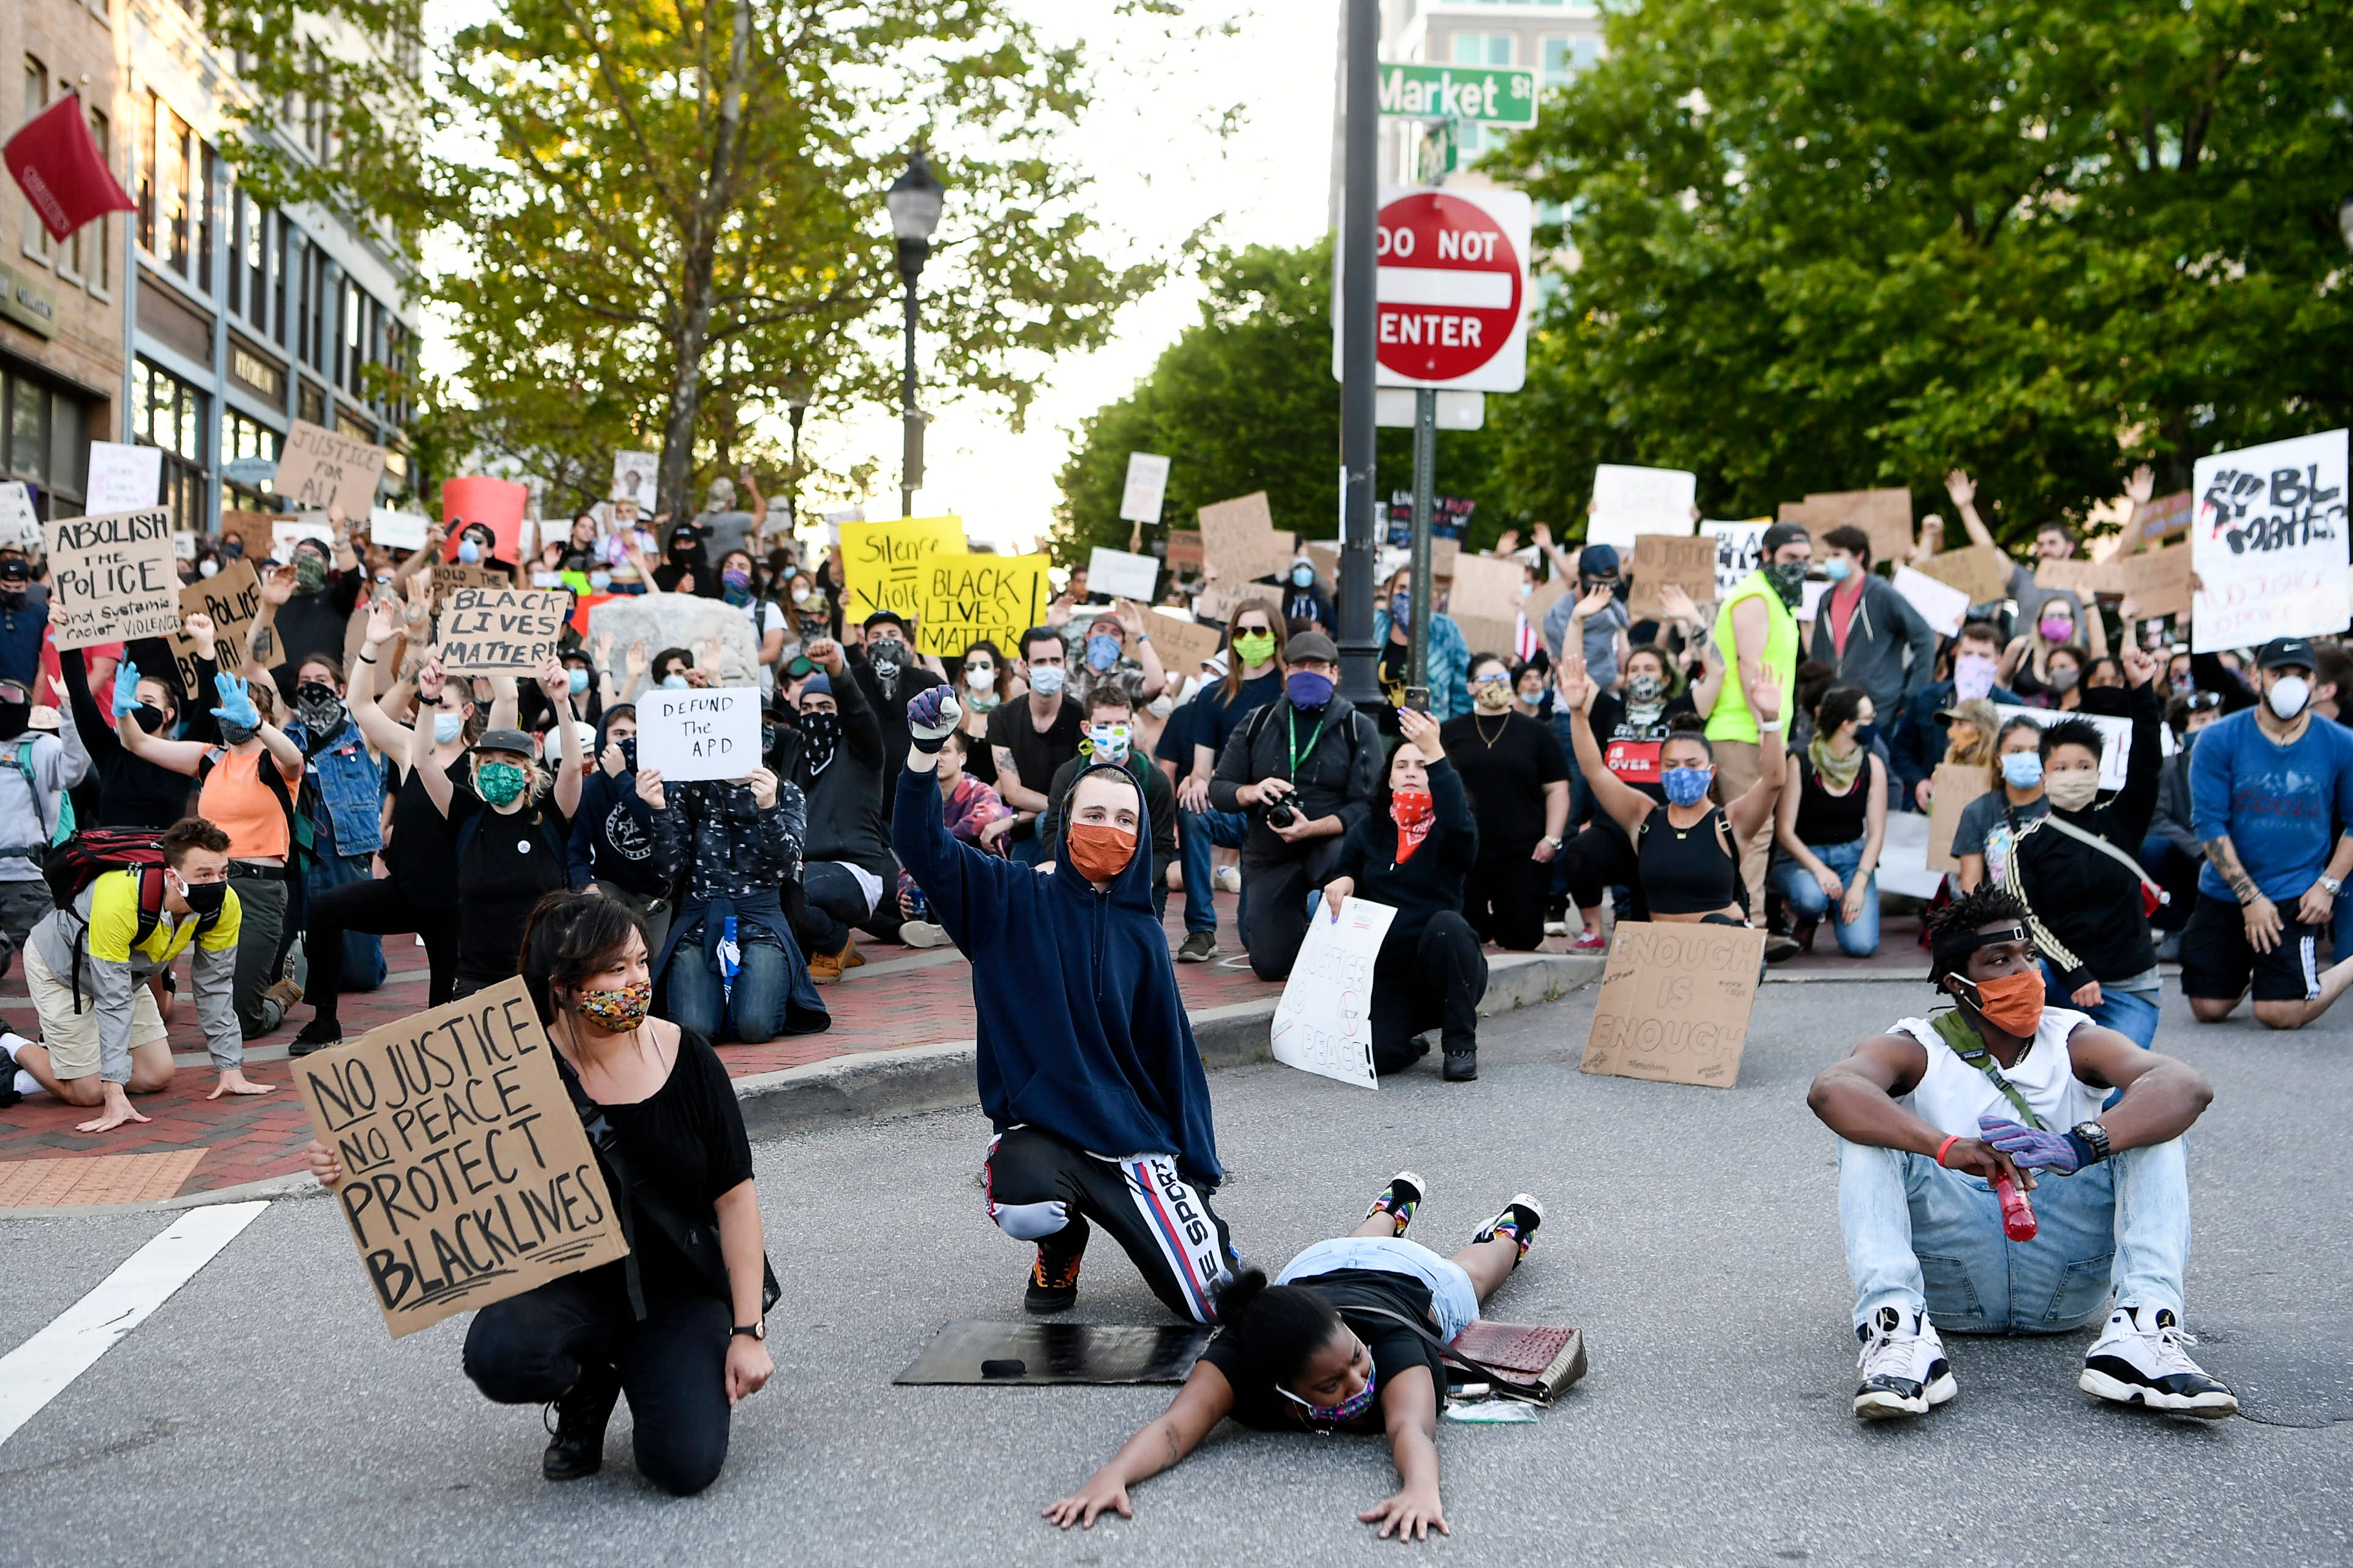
918,567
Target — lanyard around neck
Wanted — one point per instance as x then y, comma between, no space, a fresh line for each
1291,728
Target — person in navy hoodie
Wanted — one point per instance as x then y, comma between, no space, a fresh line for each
1087,1067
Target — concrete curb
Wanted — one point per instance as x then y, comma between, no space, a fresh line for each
913,1080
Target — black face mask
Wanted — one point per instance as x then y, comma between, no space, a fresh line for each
150,718
204,897
14,716
628,744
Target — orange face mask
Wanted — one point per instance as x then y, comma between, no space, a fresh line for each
1099,852
2013,1003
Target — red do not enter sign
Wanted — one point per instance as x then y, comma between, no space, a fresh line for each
1449,286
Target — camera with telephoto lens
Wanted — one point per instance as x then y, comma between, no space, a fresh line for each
1280,814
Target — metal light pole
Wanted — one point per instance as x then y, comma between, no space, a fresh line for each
1360,538
914,200
795,410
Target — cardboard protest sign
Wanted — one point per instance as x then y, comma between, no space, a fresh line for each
2155,580
232,597
318,469
2115,754
1659,558
1903,857
397,530
1240,539
634,477
1628,503
882,564
1323,555
967,598
1324,1024
497,504
1739,549
2164,519
1147,486
1218,601
123,478
1981,571
111,578
1485,589
1956,784
1183,643
708,734
2081,578
1443,554
467,1178
287,532
1674,1003
1540,601
449,576
1186,552
1123,575
19,524
2268,542
1886,515
500,631
1941,604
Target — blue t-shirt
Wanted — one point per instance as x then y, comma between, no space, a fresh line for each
2282,806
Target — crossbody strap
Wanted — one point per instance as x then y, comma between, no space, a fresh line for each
1964,1043
2110,850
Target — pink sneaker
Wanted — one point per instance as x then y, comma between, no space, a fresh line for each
1590,940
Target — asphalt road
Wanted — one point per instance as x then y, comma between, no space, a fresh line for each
262,1415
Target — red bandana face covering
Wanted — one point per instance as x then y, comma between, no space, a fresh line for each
1412,811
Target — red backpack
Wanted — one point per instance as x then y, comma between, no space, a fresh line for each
71,867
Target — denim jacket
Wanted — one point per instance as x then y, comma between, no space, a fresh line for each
348,783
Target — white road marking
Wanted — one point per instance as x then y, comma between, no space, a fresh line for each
43,1366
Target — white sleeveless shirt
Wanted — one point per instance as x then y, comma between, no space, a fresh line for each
1952,1094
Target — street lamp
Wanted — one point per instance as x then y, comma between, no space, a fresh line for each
914,200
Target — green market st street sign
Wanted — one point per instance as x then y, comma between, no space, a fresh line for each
1489,95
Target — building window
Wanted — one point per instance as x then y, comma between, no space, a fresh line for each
37,98
1564,57
167,412
99,266
28,430
244,437
174,151
249,266
1482,48
208,199
43,437
143,154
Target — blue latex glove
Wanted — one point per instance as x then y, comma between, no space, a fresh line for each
126,688
931,714
2030,1149
237,704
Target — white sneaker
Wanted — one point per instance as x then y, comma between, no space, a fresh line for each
1228,879
1902,1370
923,934
2139,1359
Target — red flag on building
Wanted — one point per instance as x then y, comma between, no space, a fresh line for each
58,165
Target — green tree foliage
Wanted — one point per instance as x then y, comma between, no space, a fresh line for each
1847,242
664,220
1245,401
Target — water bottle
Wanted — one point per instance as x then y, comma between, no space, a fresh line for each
918,907
2018,1221
730,960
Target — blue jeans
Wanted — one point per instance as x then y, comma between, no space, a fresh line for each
1197,833
1797,884
1453,1301
1919,1237
752,1013
2131,1014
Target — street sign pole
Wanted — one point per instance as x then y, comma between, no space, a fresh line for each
1425,482
1359,222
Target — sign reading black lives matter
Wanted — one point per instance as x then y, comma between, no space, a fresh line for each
112,578
467,1178
501,631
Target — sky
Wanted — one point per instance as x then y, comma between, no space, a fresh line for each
1161,171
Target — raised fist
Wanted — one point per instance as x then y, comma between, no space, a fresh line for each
932,713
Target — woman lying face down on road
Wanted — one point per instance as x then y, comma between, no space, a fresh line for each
1316,1351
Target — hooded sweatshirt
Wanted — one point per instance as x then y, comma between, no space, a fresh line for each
1080,1031
1883,626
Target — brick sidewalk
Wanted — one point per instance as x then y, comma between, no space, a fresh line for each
903,997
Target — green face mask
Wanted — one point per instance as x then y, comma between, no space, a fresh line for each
310,572
1788,581
1256,648
499,781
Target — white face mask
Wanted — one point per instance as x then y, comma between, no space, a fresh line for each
2288,695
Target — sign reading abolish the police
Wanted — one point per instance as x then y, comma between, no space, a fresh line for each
501,631
467,1178
1674,1003
113,577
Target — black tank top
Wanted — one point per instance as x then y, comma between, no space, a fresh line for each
1687,870
1827,818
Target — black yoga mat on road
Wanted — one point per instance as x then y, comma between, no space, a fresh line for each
1030,1354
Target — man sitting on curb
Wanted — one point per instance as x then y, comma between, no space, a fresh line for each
1931,1112
88,965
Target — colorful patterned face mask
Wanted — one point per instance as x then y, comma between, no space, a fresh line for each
1346,1410
617,1011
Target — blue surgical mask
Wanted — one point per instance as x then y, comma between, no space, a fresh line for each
673,682
447,727
1837,569
578,678
1046,680
469,552
2023,769
1302,576
1687,786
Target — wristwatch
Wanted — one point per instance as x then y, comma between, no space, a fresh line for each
2094,1136
1558,844
758,1330
2331,886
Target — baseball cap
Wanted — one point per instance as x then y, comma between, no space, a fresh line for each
516,740
1597,559
2280,652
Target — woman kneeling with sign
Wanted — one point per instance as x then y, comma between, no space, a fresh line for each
1349,1338
676,1325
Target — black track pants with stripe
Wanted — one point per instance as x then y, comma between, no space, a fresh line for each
1041,1189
